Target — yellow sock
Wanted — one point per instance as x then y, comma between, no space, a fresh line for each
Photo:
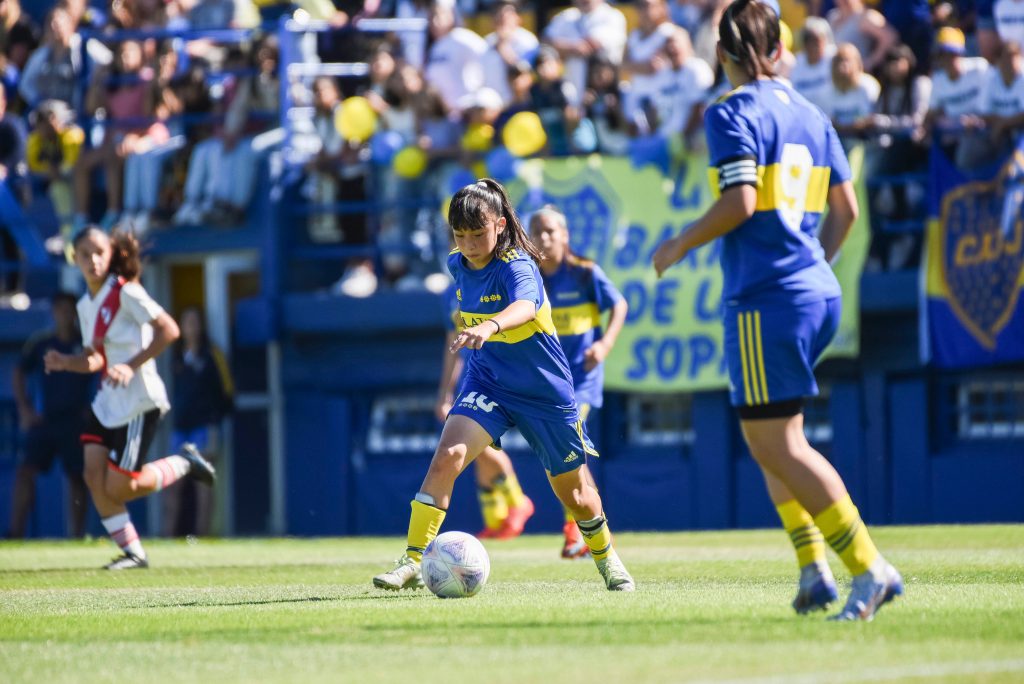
597,535
806,537
568,515
847,535
493,508
424,523
509,487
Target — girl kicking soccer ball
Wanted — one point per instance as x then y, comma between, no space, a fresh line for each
516,375
123,330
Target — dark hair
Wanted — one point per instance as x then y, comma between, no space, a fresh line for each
125,260
475,203
749,34
204,335
905,104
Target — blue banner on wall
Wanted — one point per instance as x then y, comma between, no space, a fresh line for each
973,312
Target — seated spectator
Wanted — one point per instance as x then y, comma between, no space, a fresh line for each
682,89
454,67
580,31
812,73
222,171
603,108
53,148
864,28
956,98
54,69
1002,96
552,97
999,21
122,93
509,46
854,93
645,55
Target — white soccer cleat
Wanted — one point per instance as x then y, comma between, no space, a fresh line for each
405,575
869,592
817,588
615,575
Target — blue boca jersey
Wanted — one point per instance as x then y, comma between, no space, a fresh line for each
523,369
580,292
766,135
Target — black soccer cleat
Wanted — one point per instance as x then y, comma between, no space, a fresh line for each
129,561
200,469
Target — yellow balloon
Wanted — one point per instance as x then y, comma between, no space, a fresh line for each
479,137
524,134
410,162
355,119
785,36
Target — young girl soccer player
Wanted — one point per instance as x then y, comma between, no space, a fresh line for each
580,293
123,330
776,162
504,506
517,375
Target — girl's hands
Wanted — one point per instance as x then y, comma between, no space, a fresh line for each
595,355
120,375
473,337
54,361
669,252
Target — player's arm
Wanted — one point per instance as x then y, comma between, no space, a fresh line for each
519,312
600,350
165,332
735,205
451,367
89,361
842,212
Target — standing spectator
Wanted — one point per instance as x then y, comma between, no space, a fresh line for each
53,70
903,103
955,103
454,65
323,166
552,97
203,394
1002,97
645,55
603,107
382,65
52,421
854,93
52,150
682,88
912,21
866,29
999,21
578,32
509,46
13,137
19,35
812,73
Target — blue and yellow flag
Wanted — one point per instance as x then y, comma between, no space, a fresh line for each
973,312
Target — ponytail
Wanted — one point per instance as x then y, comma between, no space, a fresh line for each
475,203
749,34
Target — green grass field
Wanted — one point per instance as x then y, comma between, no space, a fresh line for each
709,607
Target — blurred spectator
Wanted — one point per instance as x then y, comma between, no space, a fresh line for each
854,93
866,29
578,32
903,103
603,107
121,94
911,19
999,20
137,14
19,35
1002,96
454,65
54,69
682,89
382,65
222,171
203,393
688,13
956,98
509,46
323,167
404,89
52,420
83,16
552,97
812,73
215,14
705,39
13,137
645,56
53,148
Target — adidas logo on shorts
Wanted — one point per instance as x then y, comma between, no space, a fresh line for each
571,457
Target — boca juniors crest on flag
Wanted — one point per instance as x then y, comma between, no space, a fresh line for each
973,309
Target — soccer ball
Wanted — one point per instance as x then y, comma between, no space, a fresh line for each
455,565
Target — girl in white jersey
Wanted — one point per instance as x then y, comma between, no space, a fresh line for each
123,330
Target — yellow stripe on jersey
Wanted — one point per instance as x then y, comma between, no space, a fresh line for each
541,324
771,193
576,320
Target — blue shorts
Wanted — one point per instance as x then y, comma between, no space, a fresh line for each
771,350
562,447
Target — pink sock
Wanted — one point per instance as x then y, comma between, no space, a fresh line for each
121,530
168,470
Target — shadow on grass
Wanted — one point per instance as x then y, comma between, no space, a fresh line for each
264,602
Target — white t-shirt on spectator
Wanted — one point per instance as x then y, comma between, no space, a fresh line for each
327,133
454,65
130,331
846,108
678,91
1000,99
1008,16
604,24
814,81
959,97
641,48
524,45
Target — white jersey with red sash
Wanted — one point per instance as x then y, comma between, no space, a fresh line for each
116,323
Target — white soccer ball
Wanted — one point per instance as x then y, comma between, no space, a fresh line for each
455,565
